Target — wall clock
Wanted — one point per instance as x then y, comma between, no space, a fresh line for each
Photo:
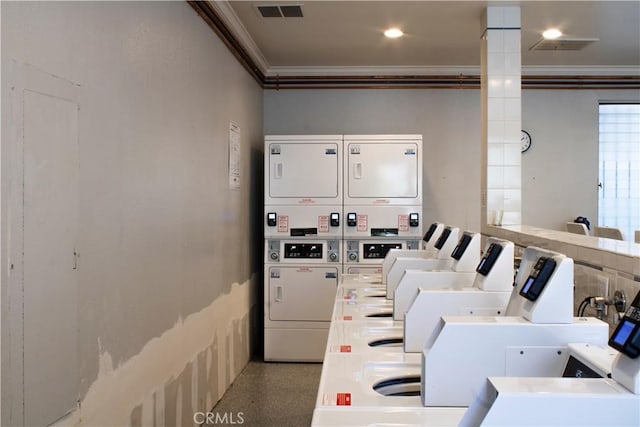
525,141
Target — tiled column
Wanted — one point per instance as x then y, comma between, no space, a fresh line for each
501,116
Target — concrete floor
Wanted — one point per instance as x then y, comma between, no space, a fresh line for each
271,395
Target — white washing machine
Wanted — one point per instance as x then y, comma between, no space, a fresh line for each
360,337
370,309
463,272
303,170
300,282
488,296
600,386
347,380
531,340
428,250
356,275
355,295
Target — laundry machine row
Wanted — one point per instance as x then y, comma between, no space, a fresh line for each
365,385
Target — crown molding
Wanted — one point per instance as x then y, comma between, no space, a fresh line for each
409,70
581,70
239,31
404,70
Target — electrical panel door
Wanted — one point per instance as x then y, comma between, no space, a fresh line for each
303,171
302,293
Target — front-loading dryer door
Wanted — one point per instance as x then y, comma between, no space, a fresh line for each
379,170
302,293
304,170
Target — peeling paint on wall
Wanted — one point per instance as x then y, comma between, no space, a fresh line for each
186,369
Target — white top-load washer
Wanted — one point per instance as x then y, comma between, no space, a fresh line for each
378,278
346,397
354,283
374,311
437,258
529,341
488,296
462,272
360,337
351,376
465,256
596,389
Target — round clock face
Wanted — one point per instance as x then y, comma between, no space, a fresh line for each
525,141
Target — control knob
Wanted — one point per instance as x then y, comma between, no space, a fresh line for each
274,256
333,256
353,256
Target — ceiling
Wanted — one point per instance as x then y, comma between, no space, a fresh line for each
345,37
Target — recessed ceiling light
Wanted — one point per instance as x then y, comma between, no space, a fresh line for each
551,34
393,33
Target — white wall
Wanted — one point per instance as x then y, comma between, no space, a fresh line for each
560,170
559,173
169,256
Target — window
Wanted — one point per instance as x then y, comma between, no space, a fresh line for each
619,167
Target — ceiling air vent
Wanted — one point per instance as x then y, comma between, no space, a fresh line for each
562,44
280,11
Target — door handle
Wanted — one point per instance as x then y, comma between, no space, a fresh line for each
357,171
278,171
278,297
600,186
76,255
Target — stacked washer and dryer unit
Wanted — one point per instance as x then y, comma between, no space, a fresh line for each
334,204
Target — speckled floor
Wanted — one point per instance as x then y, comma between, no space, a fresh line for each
270,394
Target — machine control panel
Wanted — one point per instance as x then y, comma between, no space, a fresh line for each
274,250
334,219
352,251
626,337
489,259
443,238
429,234
538,278
378,250
303,250
272,219
414,219
333,251
352,219
462,246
